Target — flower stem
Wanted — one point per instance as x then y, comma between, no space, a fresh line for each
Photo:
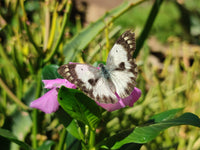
34,130
35,112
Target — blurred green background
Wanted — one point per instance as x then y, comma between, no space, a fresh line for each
36,33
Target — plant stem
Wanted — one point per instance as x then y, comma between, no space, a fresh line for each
147,27
67,11
47,25
53,27
92,140
62,139
12,96
35,112
34,130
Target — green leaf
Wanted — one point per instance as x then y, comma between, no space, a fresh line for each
81,40
72,143
109,142
73,128
148,133
46,145
79,106
166,115
68,122
50,72
8,135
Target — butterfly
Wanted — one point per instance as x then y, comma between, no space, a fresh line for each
115,79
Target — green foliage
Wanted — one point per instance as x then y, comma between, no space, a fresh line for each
36,37
79,106
148,133
7,134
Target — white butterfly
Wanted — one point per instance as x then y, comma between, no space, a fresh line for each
117,77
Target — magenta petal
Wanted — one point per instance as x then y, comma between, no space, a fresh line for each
112,107
128,101
47,103
49,84
135,95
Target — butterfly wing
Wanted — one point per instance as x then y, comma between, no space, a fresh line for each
121,65
90,81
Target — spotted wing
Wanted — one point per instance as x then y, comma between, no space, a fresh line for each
90,81
121,65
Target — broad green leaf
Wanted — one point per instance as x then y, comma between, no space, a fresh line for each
148,133
81,40
50,72
46,145
8,135
166,115
79,106
108,143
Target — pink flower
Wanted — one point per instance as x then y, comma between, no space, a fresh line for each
48,103
128,101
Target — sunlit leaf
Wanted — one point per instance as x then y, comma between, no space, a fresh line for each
148,133
79,106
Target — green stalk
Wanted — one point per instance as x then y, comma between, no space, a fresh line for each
53,27
47,25
92,140
68,9
62,139
34,130
147,27
35,112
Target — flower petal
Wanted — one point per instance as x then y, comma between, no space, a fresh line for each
128,101
47,103
135,95
49,84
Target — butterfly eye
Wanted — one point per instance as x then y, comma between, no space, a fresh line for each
116,50
81,69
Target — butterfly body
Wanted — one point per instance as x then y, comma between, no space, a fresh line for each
115,79
104,71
